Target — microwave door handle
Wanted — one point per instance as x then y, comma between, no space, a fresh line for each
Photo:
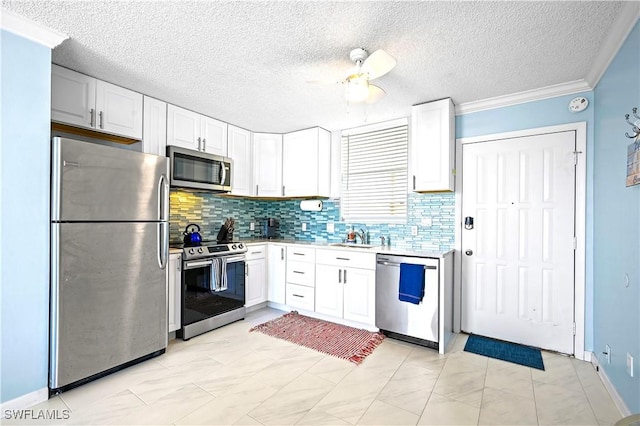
224,173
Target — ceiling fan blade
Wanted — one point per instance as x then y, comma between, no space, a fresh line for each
375,94
378,64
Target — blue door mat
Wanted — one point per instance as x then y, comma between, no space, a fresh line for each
506,351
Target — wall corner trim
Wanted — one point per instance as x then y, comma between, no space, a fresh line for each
25,401
617,399
552,91
620,30
31,30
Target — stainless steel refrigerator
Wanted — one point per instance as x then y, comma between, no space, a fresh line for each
109,249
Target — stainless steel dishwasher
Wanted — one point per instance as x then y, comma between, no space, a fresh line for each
403,320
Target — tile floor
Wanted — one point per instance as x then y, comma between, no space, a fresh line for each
231,376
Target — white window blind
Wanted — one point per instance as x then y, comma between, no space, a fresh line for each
374,174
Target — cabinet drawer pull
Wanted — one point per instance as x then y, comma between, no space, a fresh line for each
282,254
298,272
343,258
297,295
345,276
298,254
339,276
101,114
92,120
255,252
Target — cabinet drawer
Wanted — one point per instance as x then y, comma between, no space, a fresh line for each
301,254
299,296
346,258
302,273
258,251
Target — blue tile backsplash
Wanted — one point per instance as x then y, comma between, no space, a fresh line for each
210,210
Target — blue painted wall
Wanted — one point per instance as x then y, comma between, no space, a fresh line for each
24,211
617,224
546,112
209,211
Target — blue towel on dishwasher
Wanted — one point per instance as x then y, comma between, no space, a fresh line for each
411,287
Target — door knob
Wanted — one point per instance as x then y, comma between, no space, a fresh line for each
468,252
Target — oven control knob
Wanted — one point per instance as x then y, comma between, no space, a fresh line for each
234,246
200,250
191,251
240,245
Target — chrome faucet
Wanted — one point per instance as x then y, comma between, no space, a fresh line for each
362,235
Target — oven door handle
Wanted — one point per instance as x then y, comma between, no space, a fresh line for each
198,264
240,258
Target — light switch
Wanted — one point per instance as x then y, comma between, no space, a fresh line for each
414,231
304,226
331,227
252,226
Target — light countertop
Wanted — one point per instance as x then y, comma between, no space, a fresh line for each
354,247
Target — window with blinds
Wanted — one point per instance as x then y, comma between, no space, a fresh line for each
374,173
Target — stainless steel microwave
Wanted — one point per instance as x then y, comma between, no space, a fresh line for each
199,170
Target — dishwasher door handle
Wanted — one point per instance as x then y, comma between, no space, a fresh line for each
398,265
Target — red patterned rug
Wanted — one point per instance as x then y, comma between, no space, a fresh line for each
337,340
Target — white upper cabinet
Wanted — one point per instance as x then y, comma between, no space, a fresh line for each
432,147
306,163
73,97
267,164
239,149
183,128
84,101
214,136
191,130
154,127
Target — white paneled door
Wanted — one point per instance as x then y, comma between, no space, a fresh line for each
518,255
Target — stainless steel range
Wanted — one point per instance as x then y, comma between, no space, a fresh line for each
213,287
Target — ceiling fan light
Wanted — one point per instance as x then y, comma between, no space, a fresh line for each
357,89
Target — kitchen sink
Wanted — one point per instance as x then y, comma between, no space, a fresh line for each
362,246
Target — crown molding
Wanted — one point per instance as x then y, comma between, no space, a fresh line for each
622,26
24,27
523,97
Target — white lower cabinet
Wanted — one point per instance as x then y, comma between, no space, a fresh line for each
256,275
301,277
174,290
345,291
276,272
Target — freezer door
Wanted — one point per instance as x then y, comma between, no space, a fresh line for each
108,297
92,182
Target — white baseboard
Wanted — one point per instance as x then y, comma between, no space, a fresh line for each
587,356
617,399
25,401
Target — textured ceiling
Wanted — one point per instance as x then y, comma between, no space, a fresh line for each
250,63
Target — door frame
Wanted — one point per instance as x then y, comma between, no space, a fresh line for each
580,223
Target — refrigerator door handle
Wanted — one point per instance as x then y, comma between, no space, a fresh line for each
163,198
163,244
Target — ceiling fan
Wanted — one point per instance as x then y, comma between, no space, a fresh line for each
367,67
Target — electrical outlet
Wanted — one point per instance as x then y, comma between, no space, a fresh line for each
414,231
304,226
426,221
629,364
331,227
607,353
252,226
